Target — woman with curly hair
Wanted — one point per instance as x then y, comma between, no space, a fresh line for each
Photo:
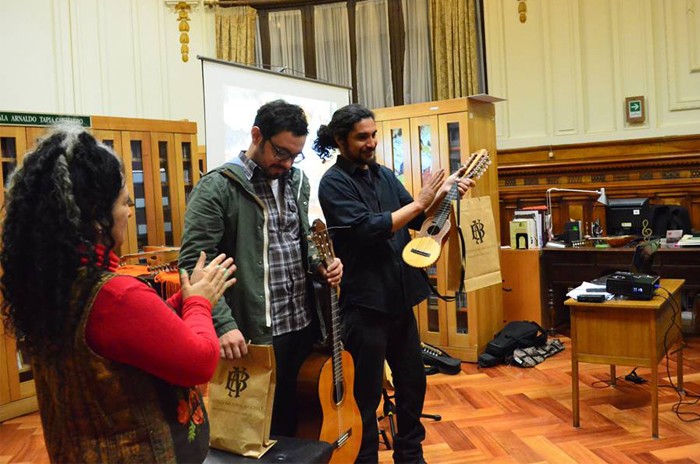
114,365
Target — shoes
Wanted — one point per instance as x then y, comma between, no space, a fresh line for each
532,356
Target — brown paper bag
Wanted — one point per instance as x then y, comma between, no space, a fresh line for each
483,266
241,394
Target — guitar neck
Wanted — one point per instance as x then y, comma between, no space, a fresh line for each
476,163
335,340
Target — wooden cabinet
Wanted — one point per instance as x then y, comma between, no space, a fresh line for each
161,165
523,287
415,141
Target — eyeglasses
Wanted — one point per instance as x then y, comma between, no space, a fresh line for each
283,155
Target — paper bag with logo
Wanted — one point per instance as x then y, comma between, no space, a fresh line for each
240,403
483,267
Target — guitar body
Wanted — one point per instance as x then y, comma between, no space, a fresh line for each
425,249
321,417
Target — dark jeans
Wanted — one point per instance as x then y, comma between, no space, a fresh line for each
291,350
370,337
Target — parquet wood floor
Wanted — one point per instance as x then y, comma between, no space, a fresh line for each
512,415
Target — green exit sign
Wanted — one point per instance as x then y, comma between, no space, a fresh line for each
634,109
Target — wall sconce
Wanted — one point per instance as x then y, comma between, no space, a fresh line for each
602,198
522,10
183,9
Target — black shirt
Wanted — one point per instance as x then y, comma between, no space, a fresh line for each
358,206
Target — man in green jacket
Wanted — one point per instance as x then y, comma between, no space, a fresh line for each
255,209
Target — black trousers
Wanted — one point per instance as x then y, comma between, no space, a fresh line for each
371,337
291,350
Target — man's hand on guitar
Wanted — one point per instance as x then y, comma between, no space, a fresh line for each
232,345
463,183
333,274
426,196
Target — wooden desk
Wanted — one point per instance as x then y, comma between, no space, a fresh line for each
566,268
629,333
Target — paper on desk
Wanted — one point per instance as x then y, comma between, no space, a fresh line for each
584,289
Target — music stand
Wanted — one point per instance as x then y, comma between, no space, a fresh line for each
388,411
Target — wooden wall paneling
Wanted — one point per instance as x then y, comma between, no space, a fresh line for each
665,170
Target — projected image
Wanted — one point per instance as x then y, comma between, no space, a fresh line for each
239,108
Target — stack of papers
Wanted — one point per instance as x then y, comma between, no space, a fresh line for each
589,288
689,241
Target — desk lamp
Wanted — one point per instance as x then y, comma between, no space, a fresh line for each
548,217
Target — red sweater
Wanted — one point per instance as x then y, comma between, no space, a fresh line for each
131,324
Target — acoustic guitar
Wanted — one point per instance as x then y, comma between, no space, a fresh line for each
426,247
325,382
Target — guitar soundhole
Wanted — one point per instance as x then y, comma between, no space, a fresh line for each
338,393
433,230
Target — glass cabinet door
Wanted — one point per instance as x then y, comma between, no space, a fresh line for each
426,159
138,169
164,194
12,149
185,150
16,377
113,140
395,141
455,127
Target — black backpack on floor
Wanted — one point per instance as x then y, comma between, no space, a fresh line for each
515,334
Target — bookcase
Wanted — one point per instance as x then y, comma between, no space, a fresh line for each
414,141
162,162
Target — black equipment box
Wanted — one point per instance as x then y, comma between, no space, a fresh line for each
634,286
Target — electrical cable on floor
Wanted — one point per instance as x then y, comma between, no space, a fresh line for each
694,416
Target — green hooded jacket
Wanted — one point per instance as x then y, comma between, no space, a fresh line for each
225,216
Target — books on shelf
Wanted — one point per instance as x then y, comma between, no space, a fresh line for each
523,234
538,218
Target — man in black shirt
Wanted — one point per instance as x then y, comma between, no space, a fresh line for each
368,212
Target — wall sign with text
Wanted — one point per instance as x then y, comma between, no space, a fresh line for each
634,109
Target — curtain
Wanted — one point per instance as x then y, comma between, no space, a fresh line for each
333,43
286,42
418,70
454,48
373,63
235,34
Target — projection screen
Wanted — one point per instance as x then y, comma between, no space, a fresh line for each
232,95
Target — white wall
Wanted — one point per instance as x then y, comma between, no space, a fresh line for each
102,57
567,70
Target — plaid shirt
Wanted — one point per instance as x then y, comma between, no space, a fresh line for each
287,275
